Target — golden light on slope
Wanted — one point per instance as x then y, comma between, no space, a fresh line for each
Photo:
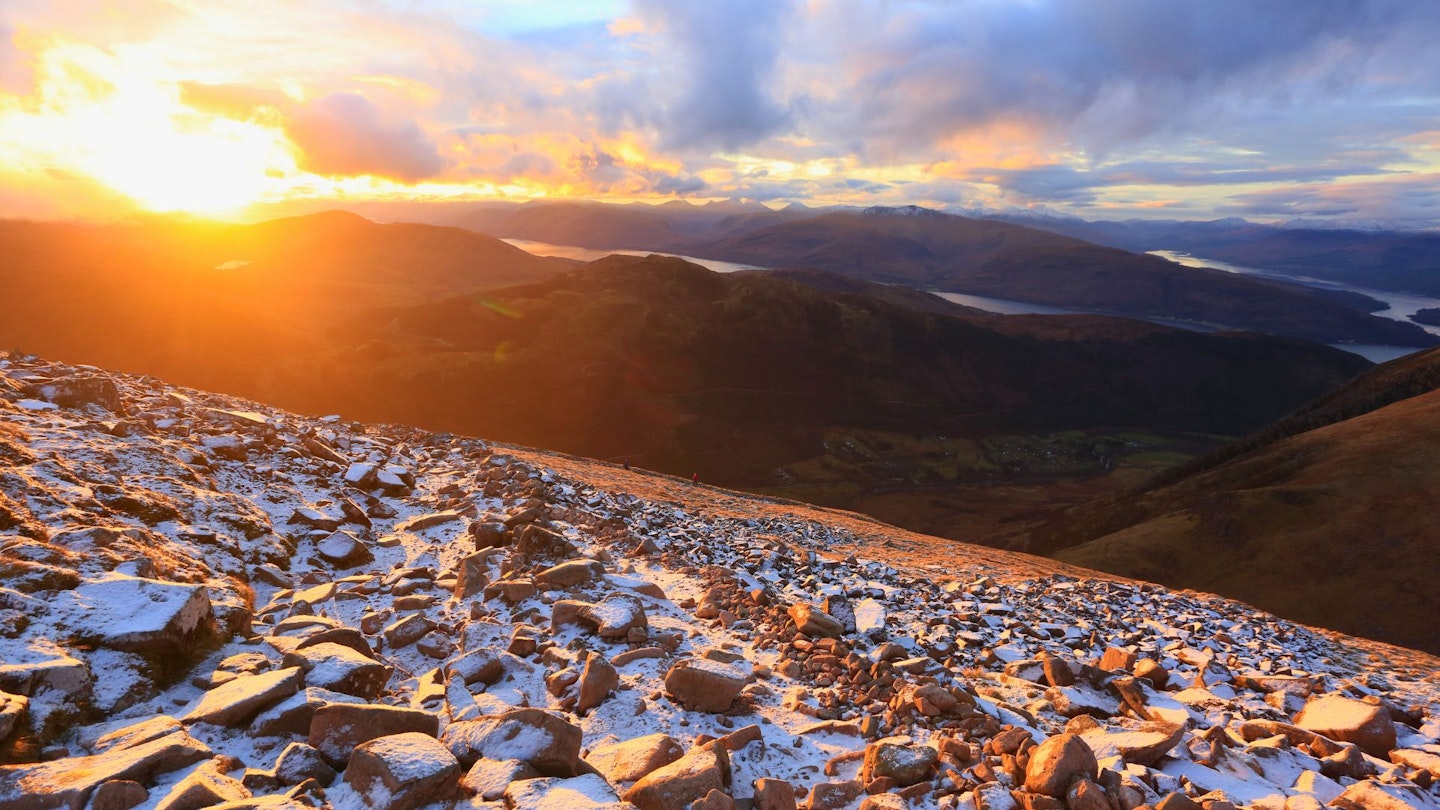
112,120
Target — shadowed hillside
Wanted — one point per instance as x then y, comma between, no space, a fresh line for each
1314,517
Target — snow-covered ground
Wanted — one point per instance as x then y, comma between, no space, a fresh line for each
205,600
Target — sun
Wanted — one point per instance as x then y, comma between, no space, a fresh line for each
125,127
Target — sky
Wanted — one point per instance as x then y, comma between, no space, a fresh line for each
1272,110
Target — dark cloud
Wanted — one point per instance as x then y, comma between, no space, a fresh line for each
726,54
344,135
1093,73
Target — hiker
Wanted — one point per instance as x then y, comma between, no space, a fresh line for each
695,478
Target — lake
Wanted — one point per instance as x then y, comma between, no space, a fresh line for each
589,255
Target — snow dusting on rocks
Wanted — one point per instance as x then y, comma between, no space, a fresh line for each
207,602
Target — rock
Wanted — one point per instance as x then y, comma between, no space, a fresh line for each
702,769
549,743
430,521
1411,758
477,666
834,795
142,615
774,794
1072,701
884,801
402,771
488,778
1150,670
585,792
617,616
714,800
898,760
70,781
337,728
1371,795
1057,672
629,760
1086,795
344,550
55,670
204,787
702,685
814,622
1117,659
344,636
315,519
293,715
408,630
569,574
79,391
236,702
1178,801
1349,720
994,796
119,794
597,681
1141,746
299,762
340,669
472,575
12,708
1057,762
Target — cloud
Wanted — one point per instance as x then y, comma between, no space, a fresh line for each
344,134
17,76
727,53
1411,199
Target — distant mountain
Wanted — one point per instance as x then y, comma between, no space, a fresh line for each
929,249
1399,261
1313,517
1002,260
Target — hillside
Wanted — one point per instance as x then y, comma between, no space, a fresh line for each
228,306
209,601
927,249
1385,260
733,375
1304,518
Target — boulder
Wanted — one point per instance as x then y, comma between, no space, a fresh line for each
12,708
703,685
1349,720
774,794
203,787
299,762
617,617
340,669
1057,762
488,778
1412,758
119,794
1372,795
814,622
585,792
402,771
570,573
477,666
549,743
629,760
834,795
472,575
337,728
1144,745
71,781
293,715
897,759
690,778
597,680
234,703
343,550
344,636
408,630
142,615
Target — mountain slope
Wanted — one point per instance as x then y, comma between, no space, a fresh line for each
982,257
207,598
1313,517
225,305
734,374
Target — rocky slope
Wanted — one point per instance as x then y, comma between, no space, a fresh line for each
211,602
